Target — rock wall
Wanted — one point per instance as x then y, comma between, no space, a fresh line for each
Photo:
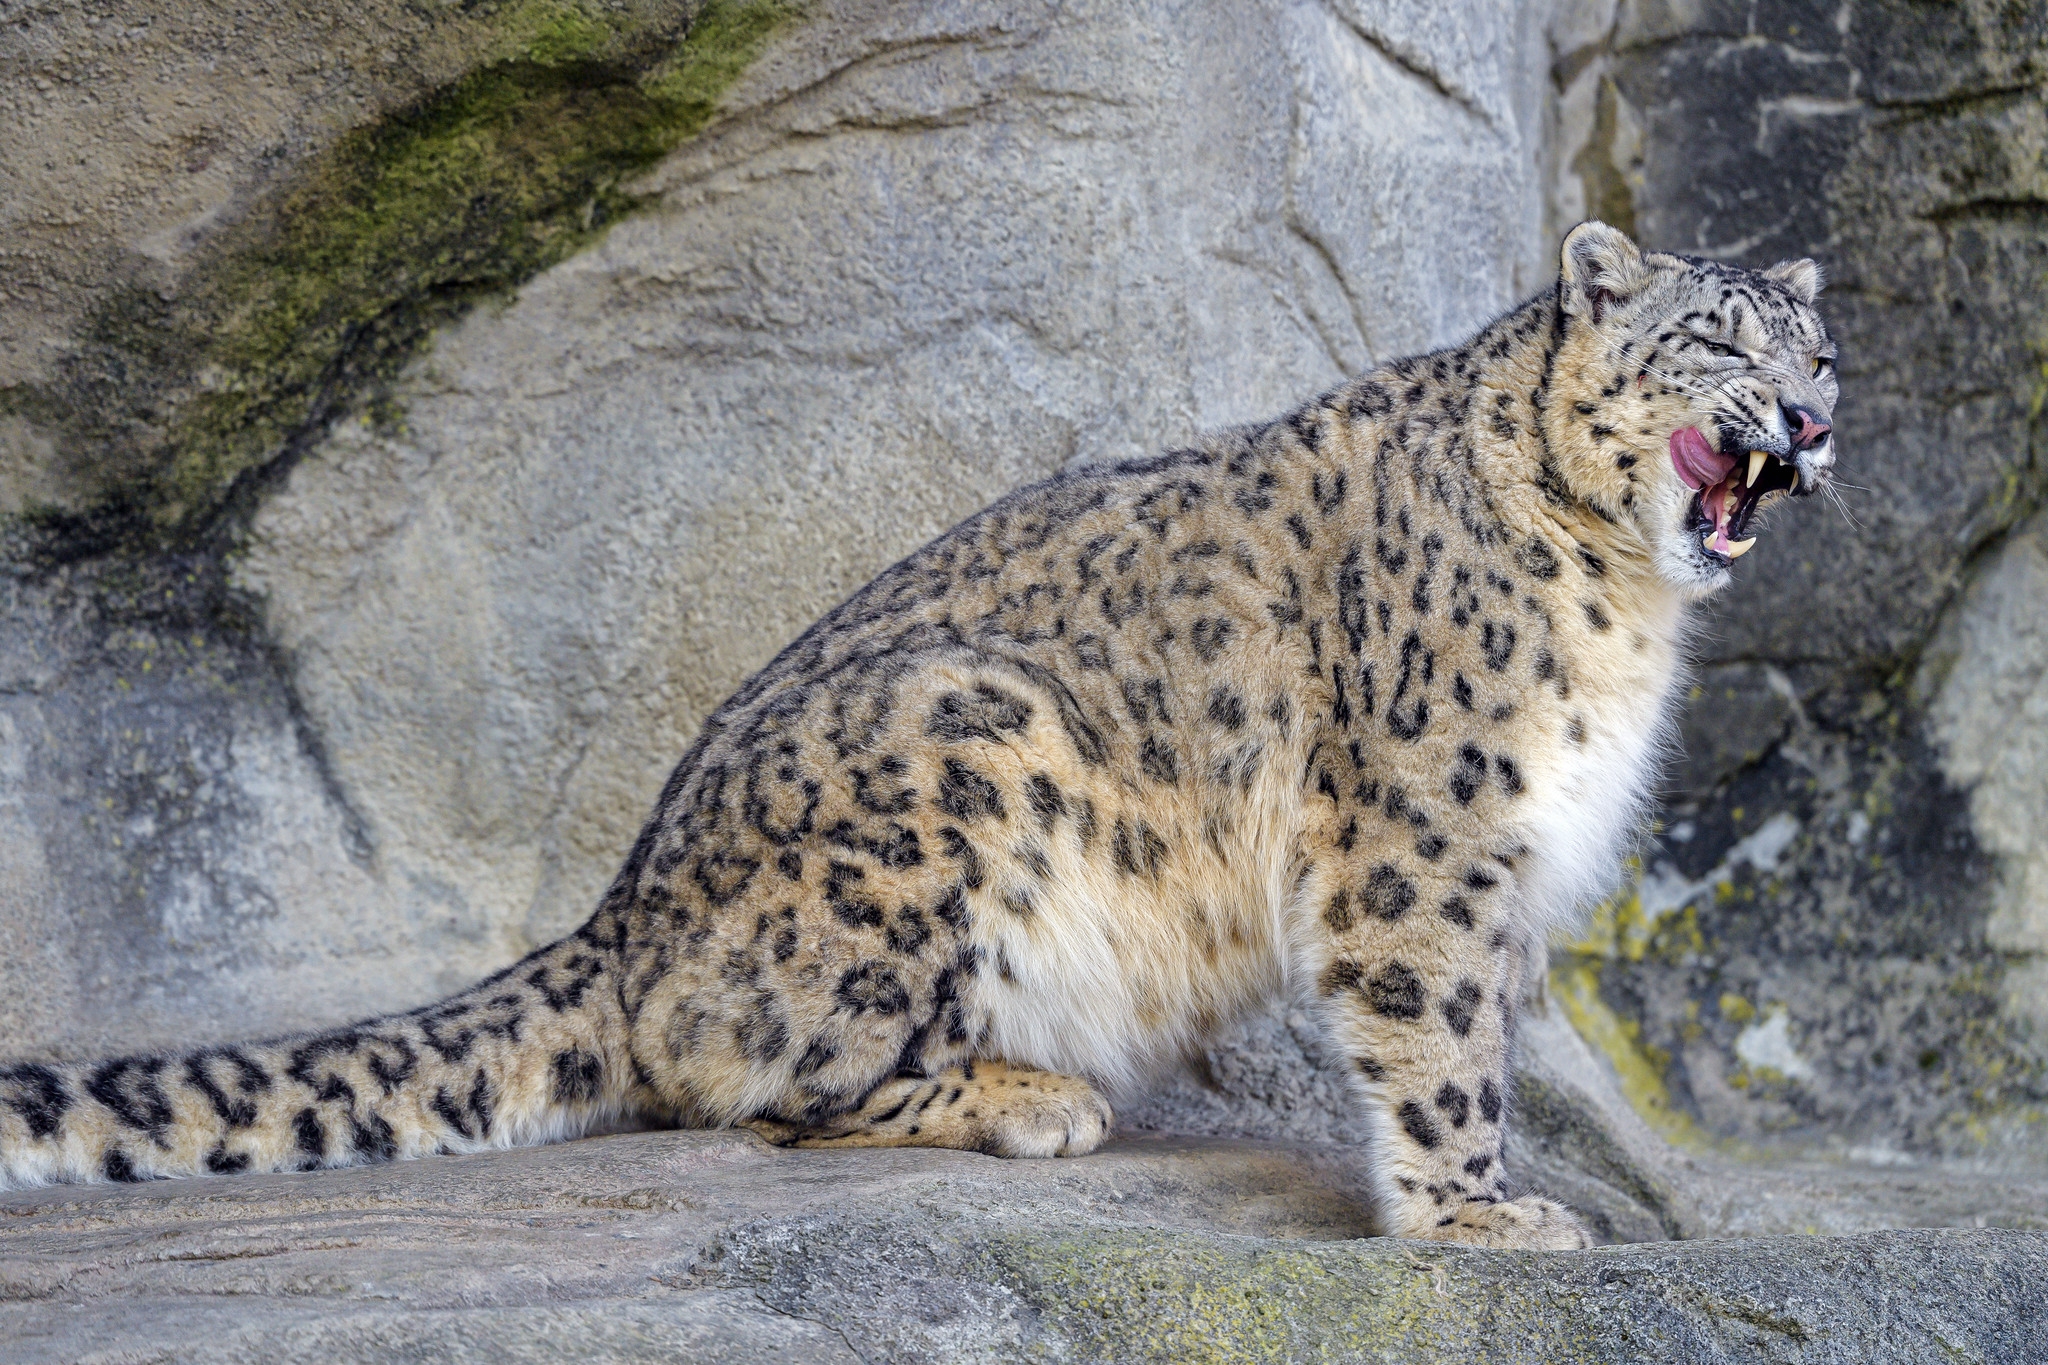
397,720
409,433
248,242
1837,942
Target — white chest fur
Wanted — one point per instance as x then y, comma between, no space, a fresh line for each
1589,790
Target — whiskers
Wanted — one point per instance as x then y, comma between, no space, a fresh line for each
1833,488
1710,387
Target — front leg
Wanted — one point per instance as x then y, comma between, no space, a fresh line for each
1417,967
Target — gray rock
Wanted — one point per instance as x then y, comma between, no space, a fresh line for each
1987,676
343,645
1611,1146
925,255
125,218
1873,987
1736,714
714,1246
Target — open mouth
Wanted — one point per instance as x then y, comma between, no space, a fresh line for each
1731,486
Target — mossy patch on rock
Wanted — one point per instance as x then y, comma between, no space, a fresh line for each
331,282
1066,1289
671,1246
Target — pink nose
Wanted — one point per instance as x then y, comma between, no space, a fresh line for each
1812,431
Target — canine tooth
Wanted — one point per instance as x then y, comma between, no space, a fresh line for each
1740,548
1708,540
1756,467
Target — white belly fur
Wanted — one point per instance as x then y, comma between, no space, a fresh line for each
1114,978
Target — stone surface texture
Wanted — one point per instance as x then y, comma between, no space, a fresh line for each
144,134
929,253
1837,941
1987,673
665,1246
414,418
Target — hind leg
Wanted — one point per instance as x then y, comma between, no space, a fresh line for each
987,1106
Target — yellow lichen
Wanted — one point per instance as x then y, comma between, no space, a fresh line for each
1576,986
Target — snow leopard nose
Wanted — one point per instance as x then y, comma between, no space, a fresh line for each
1806,426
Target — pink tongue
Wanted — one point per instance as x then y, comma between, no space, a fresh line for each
1715,501
1698,463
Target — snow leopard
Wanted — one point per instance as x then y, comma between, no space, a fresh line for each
1354,707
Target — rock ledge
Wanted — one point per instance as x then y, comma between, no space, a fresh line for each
662,1246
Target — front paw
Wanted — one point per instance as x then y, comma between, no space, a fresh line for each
1526,1224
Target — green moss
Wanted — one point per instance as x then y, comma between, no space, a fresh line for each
321,296
553,34
723,42
1196,1300
1621,930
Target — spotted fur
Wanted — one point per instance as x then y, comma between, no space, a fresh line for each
1355,705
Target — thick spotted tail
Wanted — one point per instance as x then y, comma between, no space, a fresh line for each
535,1054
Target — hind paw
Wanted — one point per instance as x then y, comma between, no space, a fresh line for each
987,1107
1526,1224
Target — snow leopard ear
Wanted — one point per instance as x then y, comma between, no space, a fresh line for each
1598,267
1802,279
